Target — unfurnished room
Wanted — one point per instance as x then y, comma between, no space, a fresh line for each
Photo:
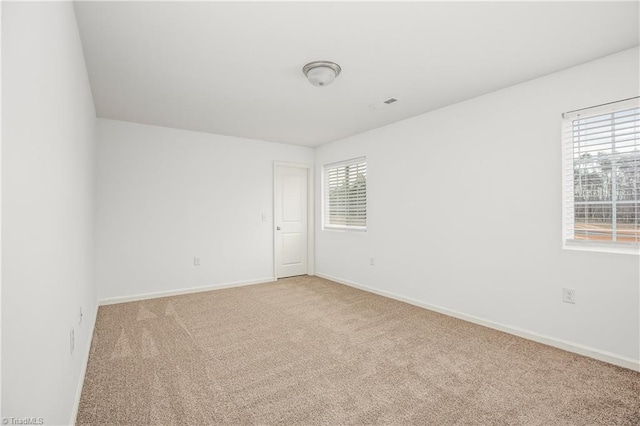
320,213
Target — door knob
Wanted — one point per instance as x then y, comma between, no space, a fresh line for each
277,228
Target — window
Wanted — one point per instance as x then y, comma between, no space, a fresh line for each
345,195
601,149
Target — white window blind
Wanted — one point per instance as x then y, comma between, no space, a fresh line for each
601,173
345,195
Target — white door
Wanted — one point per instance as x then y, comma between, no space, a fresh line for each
291,221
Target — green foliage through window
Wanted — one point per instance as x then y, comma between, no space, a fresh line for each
345,198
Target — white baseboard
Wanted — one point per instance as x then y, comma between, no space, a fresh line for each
83,371
608,357
154,295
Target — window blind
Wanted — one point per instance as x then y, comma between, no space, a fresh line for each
601,175
345,194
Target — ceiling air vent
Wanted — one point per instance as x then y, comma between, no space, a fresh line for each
383,104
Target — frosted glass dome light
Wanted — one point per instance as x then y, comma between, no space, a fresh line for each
321,73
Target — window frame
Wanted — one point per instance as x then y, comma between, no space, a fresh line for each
326,168
568,183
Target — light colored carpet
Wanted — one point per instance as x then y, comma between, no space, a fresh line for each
309,351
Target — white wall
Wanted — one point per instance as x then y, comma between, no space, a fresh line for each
48,141
167,195
464,209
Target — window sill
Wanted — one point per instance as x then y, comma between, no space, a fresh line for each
632,249
345,229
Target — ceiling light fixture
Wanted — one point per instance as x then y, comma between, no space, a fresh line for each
321,73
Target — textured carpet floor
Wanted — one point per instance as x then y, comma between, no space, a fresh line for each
309,351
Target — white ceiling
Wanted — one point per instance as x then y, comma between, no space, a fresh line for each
236,68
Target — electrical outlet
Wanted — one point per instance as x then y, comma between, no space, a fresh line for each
196,261
568,295
72,340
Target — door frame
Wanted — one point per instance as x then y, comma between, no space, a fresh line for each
310,215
